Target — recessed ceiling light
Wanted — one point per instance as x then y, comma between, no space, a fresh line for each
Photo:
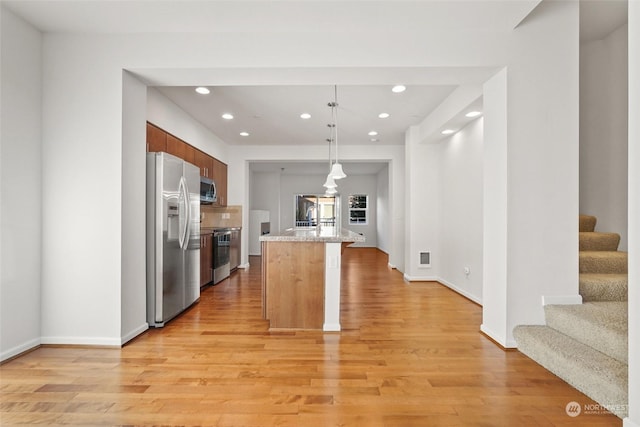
227,116
398,88
448,131
373,133
305,116
473,114
202,90
244,133
374,140
383,115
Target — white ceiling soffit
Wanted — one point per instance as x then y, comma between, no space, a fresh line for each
303,16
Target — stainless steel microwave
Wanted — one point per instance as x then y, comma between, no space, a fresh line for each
208,194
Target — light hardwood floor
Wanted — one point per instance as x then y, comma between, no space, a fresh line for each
409,355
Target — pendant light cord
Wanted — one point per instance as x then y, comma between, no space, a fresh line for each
335,118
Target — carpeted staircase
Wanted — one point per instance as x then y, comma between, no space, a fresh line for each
586,344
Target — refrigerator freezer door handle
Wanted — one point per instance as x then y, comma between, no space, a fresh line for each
184,201
187,228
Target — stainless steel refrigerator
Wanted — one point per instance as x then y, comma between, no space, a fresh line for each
173,237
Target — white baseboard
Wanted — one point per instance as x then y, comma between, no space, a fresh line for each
134,333
392,266
244,266
89,341
501,340
19,349
445,283
460,291
408,278
331,327
561,299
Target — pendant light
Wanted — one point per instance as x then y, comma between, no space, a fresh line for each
336,169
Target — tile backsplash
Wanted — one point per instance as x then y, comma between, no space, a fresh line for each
230,216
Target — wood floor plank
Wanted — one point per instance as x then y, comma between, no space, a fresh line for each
408,355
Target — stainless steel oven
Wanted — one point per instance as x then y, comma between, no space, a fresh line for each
221,252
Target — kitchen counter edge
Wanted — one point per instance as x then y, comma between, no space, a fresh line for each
312,235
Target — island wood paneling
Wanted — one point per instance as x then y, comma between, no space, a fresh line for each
294,284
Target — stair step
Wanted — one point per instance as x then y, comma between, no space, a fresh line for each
601,325
593,241
602,378
604,287
603,262
587,223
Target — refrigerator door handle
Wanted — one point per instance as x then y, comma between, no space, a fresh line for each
184,213
188,225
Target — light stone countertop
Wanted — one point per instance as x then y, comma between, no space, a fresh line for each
326,234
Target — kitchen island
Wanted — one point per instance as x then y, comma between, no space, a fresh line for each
301,277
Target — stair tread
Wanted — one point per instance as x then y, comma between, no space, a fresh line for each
598,241
603,261
602,378
605,277
604,287
604,254
601,325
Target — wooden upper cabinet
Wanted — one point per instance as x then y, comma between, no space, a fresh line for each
220,177
156,139
181,149
204,162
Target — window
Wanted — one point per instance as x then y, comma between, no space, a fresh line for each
312,209
358,204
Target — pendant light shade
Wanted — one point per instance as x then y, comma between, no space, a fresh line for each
330,183
337,172
330,191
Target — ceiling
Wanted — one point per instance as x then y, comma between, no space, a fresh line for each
271,113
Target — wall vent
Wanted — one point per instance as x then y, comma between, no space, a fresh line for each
425,259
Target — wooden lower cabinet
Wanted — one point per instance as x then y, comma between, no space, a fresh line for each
293,284
206,258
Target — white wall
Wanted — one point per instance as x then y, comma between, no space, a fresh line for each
460,207
603,132
634,217
133,321
494,208
265,195
422,197
21,182
165,114
542,173
383,225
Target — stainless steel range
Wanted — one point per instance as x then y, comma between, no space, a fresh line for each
221,253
